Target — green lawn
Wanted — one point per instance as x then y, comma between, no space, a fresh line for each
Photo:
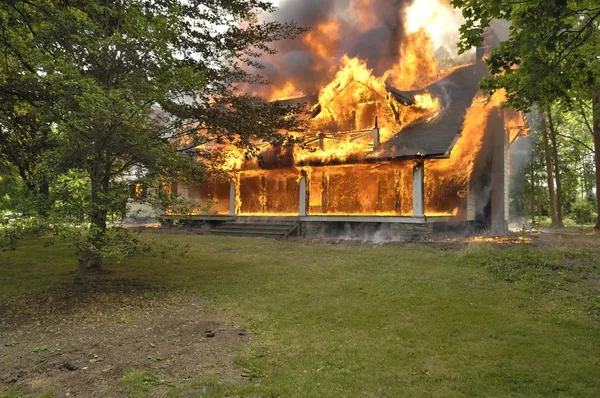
392,321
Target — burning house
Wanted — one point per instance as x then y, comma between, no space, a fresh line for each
401,140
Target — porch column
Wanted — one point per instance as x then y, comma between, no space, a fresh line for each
232,198
302,210
418,189
376,142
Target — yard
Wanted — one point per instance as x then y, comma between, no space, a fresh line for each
267,318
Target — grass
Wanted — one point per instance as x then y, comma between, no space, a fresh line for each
338,320
139,383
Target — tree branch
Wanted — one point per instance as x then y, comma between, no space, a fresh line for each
577,141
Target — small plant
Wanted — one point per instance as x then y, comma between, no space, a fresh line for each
140,382
40,348
10,343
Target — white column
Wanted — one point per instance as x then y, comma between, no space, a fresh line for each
302,210
232,198
419,189
376,142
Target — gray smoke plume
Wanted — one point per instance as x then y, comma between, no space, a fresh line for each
369,29
501,27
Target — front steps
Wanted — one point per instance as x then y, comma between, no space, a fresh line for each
265,229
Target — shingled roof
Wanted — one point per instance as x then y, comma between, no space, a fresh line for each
436,138
425,140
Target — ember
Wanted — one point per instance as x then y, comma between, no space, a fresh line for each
505,240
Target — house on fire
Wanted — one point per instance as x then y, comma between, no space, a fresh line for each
445,169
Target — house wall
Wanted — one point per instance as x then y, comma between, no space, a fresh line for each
500,183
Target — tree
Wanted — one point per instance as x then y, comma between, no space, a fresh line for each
596,130
136,85
551,52
575,150
549,172
557,171
25,130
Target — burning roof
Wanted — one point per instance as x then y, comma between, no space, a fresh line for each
436,137
401,105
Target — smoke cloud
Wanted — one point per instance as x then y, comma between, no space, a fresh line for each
371,30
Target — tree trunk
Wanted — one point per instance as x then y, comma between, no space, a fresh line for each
549,173
43,195
533,192
596,112
83,268
554,150
100,184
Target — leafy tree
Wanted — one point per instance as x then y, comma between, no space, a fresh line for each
551,53
25,130
132,87
10,190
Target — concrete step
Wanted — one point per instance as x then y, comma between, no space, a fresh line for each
256,226
264,229
255,222
249,233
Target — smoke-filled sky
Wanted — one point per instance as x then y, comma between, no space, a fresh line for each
372,30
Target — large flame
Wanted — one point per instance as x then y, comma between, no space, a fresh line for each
355,97
353,105
447,180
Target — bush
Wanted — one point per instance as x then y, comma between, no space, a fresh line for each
583,212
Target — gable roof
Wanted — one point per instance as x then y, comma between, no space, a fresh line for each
436,138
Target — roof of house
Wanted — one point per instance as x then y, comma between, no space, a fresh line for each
425,139
437,137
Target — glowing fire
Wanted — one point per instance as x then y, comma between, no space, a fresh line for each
505,240
343,128
355,97
501,240
323,40
515,124
435,17
454,174
287,91
418,66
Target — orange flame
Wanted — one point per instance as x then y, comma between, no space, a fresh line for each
344,131
447,180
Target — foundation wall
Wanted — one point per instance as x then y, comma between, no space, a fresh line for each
392,232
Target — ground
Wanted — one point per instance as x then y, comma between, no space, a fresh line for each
293,318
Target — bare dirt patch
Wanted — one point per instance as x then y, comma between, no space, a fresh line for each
586,238
83,345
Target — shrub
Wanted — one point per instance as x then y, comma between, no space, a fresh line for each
582,212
